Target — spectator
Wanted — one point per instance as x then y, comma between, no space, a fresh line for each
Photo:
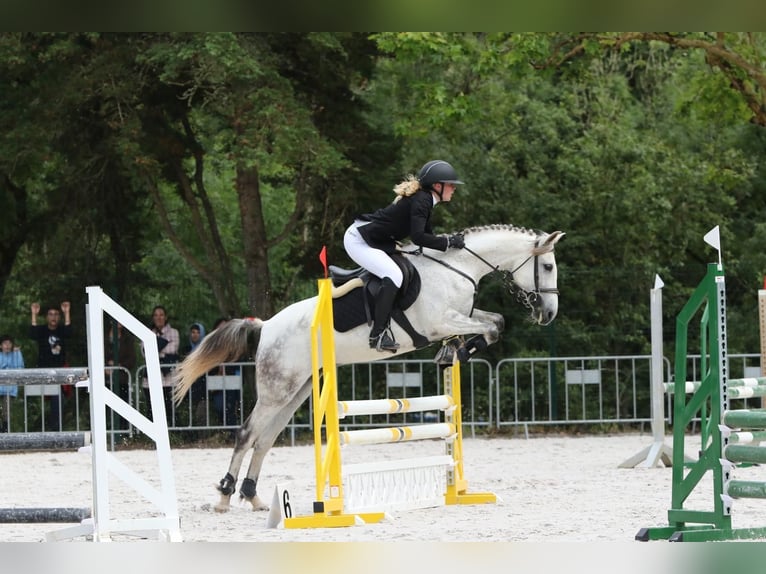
230,398
10,358
120,343
168,342
51,345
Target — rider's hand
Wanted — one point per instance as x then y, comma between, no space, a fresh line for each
456,241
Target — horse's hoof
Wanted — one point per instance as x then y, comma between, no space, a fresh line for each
258,504
224,504
444,355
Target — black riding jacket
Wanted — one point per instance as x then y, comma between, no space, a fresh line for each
408,217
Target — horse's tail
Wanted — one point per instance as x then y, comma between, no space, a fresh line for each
226,343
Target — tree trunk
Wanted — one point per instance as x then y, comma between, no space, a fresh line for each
16,228
254,239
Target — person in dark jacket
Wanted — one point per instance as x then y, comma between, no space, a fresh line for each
371,238
51,340
196,334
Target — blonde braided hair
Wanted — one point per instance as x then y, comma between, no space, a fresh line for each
407,187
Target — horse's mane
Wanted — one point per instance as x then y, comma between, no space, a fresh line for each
534,234
503,226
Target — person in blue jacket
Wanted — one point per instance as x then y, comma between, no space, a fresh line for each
10,358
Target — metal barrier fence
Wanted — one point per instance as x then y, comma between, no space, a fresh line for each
217,401
514,394
574,391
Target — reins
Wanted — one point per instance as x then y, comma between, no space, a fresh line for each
526,298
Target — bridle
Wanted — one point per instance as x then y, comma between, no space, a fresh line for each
530,299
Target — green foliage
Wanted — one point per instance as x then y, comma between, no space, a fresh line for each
607,149
634,144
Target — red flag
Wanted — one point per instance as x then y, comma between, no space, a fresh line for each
323,259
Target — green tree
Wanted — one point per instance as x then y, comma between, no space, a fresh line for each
143,135
281,137
555,132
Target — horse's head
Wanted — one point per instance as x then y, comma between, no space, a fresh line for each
534,280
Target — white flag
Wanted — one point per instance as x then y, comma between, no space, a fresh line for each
713,238
658,284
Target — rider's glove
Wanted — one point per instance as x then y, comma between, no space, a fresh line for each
456,241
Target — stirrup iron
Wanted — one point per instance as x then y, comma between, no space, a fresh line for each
383,342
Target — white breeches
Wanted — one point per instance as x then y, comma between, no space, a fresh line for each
374,260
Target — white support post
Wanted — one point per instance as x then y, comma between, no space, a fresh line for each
102,525
658,452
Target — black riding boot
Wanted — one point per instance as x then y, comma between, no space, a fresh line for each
379,337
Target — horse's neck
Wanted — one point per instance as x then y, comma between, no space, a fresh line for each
503,249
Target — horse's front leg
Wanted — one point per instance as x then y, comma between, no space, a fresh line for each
485,327
479,323
488,317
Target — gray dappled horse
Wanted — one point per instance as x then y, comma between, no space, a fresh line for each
445,308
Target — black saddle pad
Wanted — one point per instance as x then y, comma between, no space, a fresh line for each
349,311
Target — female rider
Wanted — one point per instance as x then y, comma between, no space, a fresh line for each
372,237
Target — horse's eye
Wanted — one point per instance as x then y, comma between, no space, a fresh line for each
548,266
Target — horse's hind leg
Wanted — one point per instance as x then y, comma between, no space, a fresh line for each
268,428
228,484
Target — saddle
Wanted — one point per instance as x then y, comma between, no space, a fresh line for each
355,304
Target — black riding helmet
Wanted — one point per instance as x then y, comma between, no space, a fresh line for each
437,171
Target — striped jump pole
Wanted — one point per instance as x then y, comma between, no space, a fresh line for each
745,418
62,376
739,384
43,515
42,381
43,441
395,406
743,437
724,442
398,434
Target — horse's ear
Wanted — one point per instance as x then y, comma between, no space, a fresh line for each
553,238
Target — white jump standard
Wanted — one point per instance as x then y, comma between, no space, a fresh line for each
98,524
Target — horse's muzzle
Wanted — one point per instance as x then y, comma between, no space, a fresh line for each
546,317
542,313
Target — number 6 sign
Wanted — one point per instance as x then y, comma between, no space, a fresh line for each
281,507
